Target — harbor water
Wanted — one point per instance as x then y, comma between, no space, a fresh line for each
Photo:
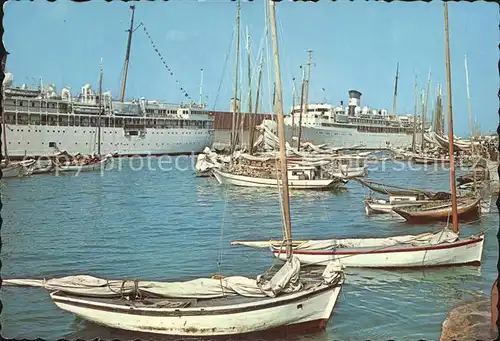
157,221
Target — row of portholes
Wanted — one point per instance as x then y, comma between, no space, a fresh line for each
124,144
104,132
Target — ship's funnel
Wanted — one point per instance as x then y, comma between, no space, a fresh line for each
354,101
8,80
234,105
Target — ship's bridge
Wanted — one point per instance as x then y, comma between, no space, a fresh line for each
315,112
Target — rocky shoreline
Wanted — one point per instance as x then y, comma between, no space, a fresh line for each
472,319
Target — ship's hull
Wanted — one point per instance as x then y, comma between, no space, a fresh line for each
36,141
338,137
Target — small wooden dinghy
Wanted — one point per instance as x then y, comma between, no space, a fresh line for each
17,169
426,160
467,209
82,167
378,206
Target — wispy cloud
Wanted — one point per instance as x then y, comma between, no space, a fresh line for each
176,35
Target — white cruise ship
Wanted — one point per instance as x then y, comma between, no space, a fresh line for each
39,122
348,126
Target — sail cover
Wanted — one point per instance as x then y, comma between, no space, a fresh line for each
286,280
424,239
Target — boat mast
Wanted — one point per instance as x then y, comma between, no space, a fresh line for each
450,122
470,119
424,109
4,130
294,97
100,111
242,121
236,69
127,55
306,99
414,138
249,62
301,107
281,134
395,91
252,125
201,88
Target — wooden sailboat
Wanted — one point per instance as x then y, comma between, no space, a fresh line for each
468,208
441,248
299,177
208,307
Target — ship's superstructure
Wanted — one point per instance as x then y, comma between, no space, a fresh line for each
344,126
41,121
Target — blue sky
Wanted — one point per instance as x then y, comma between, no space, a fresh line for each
356,45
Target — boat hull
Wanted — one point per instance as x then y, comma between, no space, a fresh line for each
464,212
311,308
338,137
26,142
462,252
11,172
82,168
247,181
373,207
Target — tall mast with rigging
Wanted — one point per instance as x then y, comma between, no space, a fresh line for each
4,137
127,55
281,133
414,137
454,214
424,109
233,136
249,68
100,112
201,88
306,95
395,90
470,117
256,108
301,107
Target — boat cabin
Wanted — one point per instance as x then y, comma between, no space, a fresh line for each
399,198
303,173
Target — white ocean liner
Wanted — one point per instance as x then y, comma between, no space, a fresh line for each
40,121
348,126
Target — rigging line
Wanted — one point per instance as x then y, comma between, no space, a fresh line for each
224,69
164,62
283,48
